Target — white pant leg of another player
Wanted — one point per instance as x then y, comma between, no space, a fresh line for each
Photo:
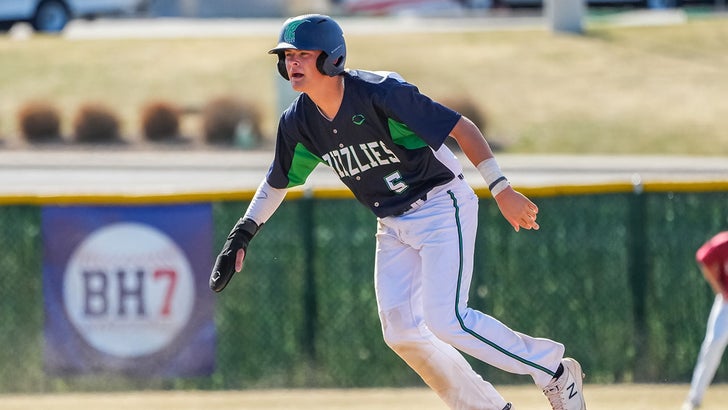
398,284
711,351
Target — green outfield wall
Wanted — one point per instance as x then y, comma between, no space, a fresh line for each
611,274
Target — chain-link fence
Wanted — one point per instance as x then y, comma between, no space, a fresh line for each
612,275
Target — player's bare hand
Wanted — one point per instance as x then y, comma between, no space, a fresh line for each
518,210
239,257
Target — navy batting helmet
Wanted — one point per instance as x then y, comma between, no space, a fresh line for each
313,32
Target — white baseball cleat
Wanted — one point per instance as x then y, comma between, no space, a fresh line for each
565,393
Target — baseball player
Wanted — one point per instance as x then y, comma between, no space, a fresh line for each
384,139
712,258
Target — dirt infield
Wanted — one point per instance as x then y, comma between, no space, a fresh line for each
599,397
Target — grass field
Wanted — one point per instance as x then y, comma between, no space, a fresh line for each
658,89
612,397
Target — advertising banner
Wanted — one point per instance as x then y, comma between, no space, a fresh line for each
126,290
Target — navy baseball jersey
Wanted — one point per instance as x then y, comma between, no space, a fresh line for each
385,143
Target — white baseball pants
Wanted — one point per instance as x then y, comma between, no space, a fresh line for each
711,351
424,266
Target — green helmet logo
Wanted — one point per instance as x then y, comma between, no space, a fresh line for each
289,34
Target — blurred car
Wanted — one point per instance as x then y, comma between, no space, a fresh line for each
590,2
392,7
637,3
53,15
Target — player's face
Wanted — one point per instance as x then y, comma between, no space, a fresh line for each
301,68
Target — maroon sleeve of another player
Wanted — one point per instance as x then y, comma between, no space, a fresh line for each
715,250
714,255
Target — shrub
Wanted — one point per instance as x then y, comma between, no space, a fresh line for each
231,121
160,121
96,123
469,108
39,121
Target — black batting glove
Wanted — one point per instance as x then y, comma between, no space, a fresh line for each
239,238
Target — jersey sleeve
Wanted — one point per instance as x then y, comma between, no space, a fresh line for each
292,162
429,119
713,251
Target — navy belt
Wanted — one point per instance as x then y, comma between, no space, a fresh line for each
422,198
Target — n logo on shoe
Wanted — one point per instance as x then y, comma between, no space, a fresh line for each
572,391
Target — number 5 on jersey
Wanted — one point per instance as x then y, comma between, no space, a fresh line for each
395,182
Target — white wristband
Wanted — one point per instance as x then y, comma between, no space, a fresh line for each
493,176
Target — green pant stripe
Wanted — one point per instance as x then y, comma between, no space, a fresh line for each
457,300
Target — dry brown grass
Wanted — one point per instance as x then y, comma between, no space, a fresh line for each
613,90
612,397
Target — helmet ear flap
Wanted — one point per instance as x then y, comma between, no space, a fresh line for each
281,65
327,66
320,61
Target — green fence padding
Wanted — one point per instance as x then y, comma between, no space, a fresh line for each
611,274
